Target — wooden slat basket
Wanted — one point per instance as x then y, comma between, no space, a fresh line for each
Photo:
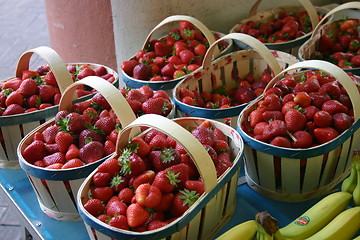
209,213
15,127
168,85
226,71
330,27
56,189
263,17
290,174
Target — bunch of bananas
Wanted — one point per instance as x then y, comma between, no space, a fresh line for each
328,219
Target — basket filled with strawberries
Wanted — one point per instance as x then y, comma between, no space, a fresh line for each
300,135
282,28
162,62
179,181
31,97
59,154
337,41
224,86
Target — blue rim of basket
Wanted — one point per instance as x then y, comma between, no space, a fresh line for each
172,228
60,174
298,153
208,113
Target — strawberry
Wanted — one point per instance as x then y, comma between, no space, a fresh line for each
39,163
272,115
109,147
101,179
145,177
73,163
88,135
166,202
280,141
334,106
342,121
150,134
33,101
142,72
323,119
72,152
85,72
50,79
244,95
94,207
55,166
57,157
158,106
42,106
49,134
63,141
126,194
135,105
275,128
294,120
38,136
51,148
118,182
166,181
310,112
303,139
115,208
128,66
325,134
148,195
80,107
186,56
302,99
105,124
255,117
14,84
137,215
204,135
197,186
28,87
155,224
168,70
14,97
164,158
317,99
92,152
136,94
100,71
111,166
101,101
139,146
29,74
131,164
331,88
102,193
120,222
161,49
159,141
46,92
35,151
183,200
271,102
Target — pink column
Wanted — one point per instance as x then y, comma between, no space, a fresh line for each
82,31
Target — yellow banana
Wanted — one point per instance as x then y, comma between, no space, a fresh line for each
317,216
357,238
343,227
349,183
356,192
245,230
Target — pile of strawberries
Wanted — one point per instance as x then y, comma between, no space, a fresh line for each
179,53
153,180
36,90
301,113
247,90
284,27
341,44
89,131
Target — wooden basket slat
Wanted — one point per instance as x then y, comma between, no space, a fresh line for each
333,158
228,78
194,227
250,166
266,171
312,173
292,186
61,196
42,194
344,162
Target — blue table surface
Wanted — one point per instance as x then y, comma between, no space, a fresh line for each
248,203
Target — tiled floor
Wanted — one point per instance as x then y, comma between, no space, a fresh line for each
23,26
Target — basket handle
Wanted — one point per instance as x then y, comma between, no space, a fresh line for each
55,62
116,100
309,7
258,46
339,8
175,18
331,69
194,148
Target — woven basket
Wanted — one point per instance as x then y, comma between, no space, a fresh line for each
208,214
288,174
14,128
323,28
167,85
220,72
56,189
269,15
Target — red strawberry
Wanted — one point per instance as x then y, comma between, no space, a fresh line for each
158,106
102,193
33,101
183,173
280,141
168,70
115,207
204,135
35,151
80,107
88,135
111,166
303,139
94,207
12,83
49,134
57,157
51,148
55,166
272,115
101,179
137,215
147,91
221,146
275,128
47,92
159,141
325,134
271,102
120,222
145,177
162,94
131,164
128,66
197,186
294,120
139,146
74,122
14,97
50,79
342,121
142,72
166,181
164,158
334,106
28,87
85,72
161,49
166,202
118,182
323,119
73,163
148,195
183,200
255,117
244,95
310,112
72,152
109,147
150,134
105,124
101,101
63,141
29,74
331,88
126,194
92,152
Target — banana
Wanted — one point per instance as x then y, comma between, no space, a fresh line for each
357,238
356,192
343,227
245,230
261,234
349,184
317,216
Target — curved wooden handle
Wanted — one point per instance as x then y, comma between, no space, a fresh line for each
55,62
194,148
116,100
331,69
175,18
344,6
252,42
